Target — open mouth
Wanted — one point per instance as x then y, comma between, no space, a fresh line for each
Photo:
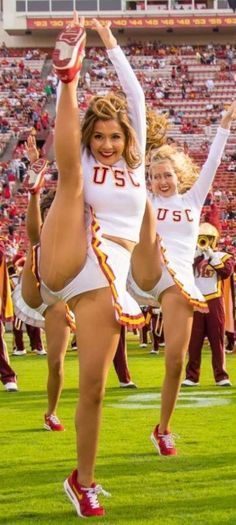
107,155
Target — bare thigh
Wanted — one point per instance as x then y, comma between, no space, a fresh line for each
30,290
63,239
57,331
146,257
177,319
97,336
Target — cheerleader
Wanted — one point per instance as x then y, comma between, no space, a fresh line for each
174,212
85,250
55,319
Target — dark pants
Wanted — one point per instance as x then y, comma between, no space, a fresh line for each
230,336
209,325
154,328
144,334
120,359
7,375
157,330
33,333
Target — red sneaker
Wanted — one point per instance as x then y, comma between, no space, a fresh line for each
69,53
84,499
164,443
53,423
35,176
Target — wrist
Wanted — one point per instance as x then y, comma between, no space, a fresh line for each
111,43
226,122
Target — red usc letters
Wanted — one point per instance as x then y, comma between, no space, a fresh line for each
119,176
177,215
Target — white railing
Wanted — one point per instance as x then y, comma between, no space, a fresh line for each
143,8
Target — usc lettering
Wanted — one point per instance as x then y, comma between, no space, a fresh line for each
99,175
177,215
120,177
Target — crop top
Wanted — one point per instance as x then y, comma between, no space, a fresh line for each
117,194
178,216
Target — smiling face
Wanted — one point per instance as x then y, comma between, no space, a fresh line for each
107,141
163,178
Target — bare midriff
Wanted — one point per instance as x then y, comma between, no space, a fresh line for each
128,245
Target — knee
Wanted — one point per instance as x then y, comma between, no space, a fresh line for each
56,365
93,393
174,366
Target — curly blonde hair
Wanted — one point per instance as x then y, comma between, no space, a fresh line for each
185,168
157,126
112,106
46,202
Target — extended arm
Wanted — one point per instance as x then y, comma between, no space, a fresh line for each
33,216
128,81
201,187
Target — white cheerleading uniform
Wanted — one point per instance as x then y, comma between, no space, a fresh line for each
115,199
35,316
178,220
31,316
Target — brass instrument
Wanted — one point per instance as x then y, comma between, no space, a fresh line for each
203,242
208,236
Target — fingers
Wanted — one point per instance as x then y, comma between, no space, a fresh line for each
75,18
97,25
76,21
81,21
30,142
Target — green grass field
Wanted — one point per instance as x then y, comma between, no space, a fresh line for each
195,488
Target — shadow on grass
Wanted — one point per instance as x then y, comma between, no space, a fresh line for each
125,465
155,513
28,518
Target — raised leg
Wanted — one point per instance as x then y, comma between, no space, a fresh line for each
63,238
146,257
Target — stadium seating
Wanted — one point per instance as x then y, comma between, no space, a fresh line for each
154,68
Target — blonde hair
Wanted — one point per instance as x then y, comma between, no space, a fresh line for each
157,126
46,202
112,106
185,168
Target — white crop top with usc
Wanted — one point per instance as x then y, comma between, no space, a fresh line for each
117,194
115,200
178,223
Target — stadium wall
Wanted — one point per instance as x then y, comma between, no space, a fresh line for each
46,39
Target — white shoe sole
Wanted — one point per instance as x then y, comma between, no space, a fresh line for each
72,498
68,51
47,427
154,441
